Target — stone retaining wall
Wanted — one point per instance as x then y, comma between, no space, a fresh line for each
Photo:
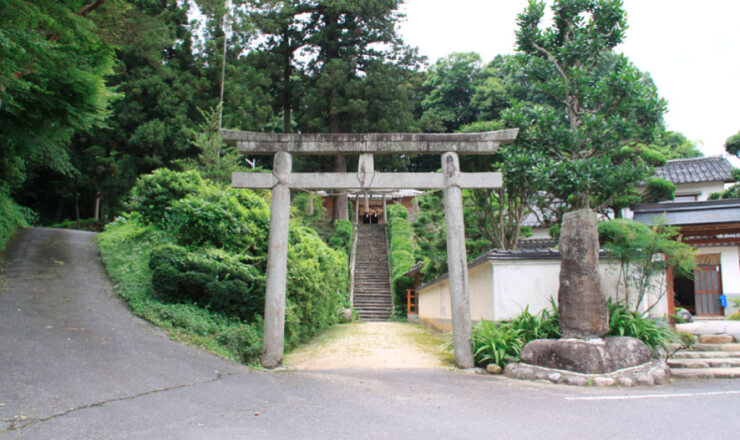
651,373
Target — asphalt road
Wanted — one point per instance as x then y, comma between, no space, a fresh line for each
74,364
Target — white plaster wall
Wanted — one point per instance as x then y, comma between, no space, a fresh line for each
481,292
502,291
435,304
518,284
703,189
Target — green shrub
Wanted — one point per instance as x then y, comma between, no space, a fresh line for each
216,280
625,322
11,218
317,288
401,255
396,211
657,190
496,343
342,237
687,338
734,317
89,224
153,193
544,325
243,340
227,219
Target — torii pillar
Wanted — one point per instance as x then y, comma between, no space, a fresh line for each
451,180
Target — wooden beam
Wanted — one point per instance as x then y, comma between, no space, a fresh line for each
352,182
382,143
712,240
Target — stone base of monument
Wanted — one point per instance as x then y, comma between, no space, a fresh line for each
602,362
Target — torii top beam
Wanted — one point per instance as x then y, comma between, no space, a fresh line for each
378,143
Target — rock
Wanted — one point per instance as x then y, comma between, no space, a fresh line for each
555,377
494,369
716,339
685,315
576,380
625,381
580,300
658,374
586,356
626,352
644,379
603,381
347,315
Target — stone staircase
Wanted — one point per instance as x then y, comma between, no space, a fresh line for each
713,356
372,289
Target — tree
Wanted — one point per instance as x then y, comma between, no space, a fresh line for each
605,105
644,253
605,102
449,88
674,145
52,83
732,146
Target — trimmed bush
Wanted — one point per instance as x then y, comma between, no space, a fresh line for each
153,193
237,221
216,280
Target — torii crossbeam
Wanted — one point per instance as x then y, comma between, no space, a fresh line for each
451,179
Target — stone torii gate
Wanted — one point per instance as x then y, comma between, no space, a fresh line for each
282,179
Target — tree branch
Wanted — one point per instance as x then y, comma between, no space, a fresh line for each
88,8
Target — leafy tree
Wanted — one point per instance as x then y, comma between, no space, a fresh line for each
605,103
52,83
674,145
584,145
644,253
449,88
732,146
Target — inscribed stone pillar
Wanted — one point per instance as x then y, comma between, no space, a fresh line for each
457,262
277,264
582,305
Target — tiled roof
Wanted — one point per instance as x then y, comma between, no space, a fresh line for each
537,243
696,170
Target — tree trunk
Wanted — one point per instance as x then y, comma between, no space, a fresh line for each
340,201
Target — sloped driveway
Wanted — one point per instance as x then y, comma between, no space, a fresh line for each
74,364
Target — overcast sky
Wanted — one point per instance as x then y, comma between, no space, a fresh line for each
690,48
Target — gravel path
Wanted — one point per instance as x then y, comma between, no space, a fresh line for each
372,345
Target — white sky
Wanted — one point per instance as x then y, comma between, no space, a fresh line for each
691,49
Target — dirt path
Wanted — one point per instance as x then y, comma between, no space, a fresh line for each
372,345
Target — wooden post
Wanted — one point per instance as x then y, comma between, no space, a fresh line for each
457,262
385,208
277,264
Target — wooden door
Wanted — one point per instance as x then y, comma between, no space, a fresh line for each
707,290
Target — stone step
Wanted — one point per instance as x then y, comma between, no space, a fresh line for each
704,363
706,373
684,354
384,302
734,347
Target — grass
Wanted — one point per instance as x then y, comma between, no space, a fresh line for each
11,219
